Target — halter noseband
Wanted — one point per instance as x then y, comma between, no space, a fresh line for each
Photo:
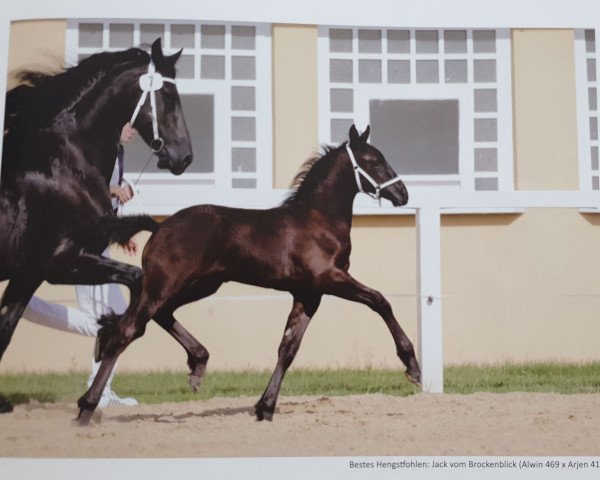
149,83
358,171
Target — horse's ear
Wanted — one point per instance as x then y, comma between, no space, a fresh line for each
173,58
365,135
157,53
165,65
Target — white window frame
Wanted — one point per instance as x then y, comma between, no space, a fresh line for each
464,92
584,113
425,93
163,193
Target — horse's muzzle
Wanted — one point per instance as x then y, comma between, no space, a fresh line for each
176,167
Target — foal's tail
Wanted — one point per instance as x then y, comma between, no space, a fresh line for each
120,229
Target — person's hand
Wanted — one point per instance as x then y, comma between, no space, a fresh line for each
123,194
127,133
130,248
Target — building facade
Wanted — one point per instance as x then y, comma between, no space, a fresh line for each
467,109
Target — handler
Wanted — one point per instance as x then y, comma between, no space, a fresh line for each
94,300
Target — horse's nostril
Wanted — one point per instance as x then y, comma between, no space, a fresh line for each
187,160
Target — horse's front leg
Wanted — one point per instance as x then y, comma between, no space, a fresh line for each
341,284
16,297
303,310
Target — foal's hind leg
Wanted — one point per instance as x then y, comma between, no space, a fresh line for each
341,284
196,352
130,326
16,297
304,308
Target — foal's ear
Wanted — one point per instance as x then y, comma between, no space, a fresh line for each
353,135
365,135
355,138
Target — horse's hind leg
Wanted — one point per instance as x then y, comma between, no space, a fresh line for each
304,308
341,284
196,352
16,297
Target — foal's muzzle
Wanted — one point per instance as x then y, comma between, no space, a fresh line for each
396,193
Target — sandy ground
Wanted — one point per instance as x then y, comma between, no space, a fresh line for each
372,425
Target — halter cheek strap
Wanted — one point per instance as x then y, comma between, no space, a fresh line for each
149,83
358,171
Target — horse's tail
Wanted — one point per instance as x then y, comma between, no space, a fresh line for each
120,229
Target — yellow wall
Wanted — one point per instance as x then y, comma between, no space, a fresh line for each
295,128
545,117
38,45
518,287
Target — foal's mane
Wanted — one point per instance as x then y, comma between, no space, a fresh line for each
41,96
310,174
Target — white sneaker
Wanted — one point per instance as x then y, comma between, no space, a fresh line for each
111,399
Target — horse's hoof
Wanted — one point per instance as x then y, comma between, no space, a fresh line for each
5,405
414,377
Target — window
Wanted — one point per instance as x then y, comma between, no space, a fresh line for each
438,101
587,108
224,80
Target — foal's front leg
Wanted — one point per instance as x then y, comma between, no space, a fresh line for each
304,308
341,284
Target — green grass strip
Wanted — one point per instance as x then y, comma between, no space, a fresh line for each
172,386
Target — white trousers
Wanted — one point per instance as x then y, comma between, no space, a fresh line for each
94,301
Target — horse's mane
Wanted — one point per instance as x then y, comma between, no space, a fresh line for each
310,173
40,96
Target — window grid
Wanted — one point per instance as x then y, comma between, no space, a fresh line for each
586,48
213,71
439,66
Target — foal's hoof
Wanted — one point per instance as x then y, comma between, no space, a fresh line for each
194,382
263,412
414,377
5,405
84,418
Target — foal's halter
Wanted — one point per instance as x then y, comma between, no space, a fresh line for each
149,83
358,171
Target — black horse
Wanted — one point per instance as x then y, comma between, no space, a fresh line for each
302,246
60,144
